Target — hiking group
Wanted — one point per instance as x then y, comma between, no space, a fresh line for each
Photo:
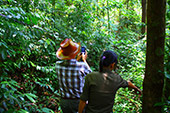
84,91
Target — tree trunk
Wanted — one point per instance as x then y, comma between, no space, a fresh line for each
108,16
127,8
25,5
53,3
103,12
143,16
127,4
97,8
154,75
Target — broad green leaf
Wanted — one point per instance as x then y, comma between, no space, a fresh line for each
33,95
4,44
17,65
4,54
32,64
22,111
48,41
10,0
30,97
4,82
22,98
4,104
159,104
167,75
37,15
47,110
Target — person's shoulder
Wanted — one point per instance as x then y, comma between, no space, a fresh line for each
81,64
118,76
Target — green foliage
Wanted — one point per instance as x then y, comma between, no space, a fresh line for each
30,34
165,104
127,101
27,61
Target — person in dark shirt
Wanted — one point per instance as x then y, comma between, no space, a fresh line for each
100,87
70,74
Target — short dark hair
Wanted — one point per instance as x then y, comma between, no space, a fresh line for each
108,57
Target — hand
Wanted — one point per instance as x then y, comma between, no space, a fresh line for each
138,92
79,56
84,56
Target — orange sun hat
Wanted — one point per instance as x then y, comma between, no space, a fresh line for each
68,49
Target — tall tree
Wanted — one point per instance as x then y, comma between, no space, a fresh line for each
108,16
154,76
143,16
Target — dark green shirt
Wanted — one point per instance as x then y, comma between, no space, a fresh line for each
100,89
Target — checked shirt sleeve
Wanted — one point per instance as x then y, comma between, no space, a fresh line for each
84,69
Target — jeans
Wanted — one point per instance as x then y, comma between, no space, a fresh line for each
69,105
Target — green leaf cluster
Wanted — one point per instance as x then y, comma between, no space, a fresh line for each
31,32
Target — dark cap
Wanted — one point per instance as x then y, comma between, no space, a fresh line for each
108,57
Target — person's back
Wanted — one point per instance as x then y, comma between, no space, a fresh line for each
100,87
103,87
71,75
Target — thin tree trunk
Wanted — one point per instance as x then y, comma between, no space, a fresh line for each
103,11
53,3
27,5
154,75
98,14
143,16
103,8
127,7
127,4
97,8
108,16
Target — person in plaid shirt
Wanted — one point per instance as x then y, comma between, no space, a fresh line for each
70,74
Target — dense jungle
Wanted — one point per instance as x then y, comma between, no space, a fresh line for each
31,32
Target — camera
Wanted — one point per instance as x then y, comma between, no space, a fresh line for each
83,49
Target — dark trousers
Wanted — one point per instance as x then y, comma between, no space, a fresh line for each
69,105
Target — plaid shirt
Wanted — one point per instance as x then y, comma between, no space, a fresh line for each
71,75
